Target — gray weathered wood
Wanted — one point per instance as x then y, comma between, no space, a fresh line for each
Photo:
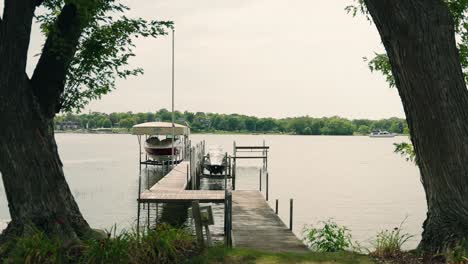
172,188
255,225
198,223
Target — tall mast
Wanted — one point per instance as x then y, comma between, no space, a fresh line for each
173,114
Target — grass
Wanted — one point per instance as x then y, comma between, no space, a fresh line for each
164,244
388,243
219,254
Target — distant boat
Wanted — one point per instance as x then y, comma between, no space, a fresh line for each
381,134
215,161
161,150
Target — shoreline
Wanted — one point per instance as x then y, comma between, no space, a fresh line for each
207,133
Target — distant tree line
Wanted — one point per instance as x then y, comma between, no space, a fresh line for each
212,122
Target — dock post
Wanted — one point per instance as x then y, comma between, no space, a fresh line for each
264,155
228,160
148,217
188,175
233,179
260,181
266,195
291,214
157,214
139,187
138,219
228,219
198,224
276,207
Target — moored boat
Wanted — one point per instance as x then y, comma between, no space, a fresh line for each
158,145
215,161
381,134
162,149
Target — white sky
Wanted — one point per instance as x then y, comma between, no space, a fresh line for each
273,58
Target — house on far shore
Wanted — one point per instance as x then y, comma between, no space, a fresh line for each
67,125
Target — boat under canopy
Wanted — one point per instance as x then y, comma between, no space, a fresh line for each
159,145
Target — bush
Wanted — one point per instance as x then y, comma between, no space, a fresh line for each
164,244
37,248
113,249
388,244
329,238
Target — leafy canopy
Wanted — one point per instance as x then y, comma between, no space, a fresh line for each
104,50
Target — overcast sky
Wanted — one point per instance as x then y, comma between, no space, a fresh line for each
273,58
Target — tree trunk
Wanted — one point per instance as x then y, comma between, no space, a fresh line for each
420,41
37,193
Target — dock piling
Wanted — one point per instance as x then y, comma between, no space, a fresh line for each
291,214
228,220
188,176
260,181
276,207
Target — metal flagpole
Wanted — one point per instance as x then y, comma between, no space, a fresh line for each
173,116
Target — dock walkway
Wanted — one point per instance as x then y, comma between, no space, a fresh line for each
255,225
172,188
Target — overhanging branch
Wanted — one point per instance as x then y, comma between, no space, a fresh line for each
48,80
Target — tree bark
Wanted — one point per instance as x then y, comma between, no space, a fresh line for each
38,195
419,38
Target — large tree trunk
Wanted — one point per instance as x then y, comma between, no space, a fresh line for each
37,193
420,41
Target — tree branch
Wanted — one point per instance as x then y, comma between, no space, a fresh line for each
48,80
15,33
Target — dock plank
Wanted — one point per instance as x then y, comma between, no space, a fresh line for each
255,225
172,188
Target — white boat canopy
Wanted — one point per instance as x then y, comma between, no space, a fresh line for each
160,128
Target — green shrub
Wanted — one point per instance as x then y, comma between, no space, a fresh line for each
389,243
37,248
113,249
164,244
331,237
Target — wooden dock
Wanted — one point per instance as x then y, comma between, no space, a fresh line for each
249,220
172,188
255,225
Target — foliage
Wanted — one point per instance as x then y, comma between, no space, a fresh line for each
459,253
331,237
406,150
36,248
381,63
212,122
220,254
113,249
164,244
104,49
389,243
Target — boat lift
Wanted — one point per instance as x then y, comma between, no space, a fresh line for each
254,152
162,129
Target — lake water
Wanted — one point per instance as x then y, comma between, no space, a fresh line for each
357,181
